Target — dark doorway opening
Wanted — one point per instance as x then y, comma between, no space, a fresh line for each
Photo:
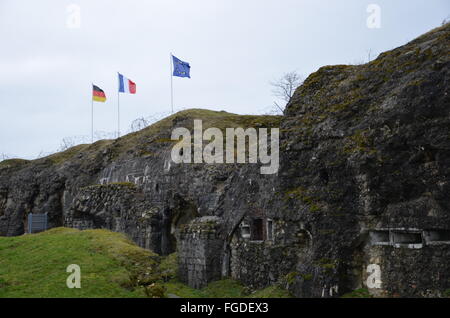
257,230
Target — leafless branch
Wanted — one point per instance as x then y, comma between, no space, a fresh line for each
285,87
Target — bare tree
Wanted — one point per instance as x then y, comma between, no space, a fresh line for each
43,154
285,87
66,143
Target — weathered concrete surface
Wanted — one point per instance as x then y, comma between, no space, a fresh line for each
200,251
363,148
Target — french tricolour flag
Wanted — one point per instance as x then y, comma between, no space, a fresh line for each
126,86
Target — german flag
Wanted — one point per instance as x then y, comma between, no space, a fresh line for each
98,95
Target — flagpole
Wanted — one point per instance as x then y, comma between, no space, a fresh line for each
171,82
92,115
118,107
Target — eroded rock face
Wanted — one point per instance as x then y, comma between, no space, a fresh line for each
360,200
366,147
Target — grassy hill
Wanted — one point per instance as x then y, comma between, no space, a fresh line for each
111,266
141,143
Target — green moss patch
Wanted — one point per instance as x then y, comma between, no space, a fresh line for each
12,163
358,293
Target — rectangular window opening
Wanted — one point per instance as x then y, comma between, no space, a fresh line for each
379,238
406,238
257,230
437,236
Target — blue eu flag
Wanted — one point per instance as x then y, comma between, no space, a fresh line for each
180,68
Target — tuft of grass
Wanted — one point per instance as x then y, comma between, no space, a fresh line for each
271,292
179,289
169,267
63,156
226,288
358,293
302,194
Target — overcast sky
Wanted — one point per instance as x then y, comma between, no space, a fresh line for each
235,48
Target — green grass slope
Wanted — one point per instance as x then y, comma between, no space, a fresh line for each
111,266
35,265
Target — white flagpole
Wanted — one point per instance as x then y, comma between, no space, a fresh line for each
171,81
92,113
118,106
